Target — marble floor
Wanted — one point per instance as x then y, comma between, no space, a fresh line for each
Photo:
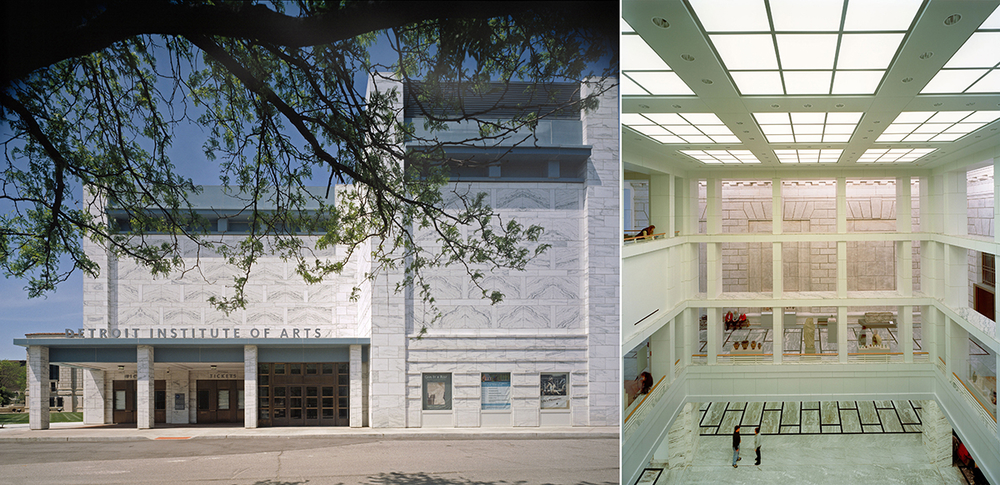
811,417
814,459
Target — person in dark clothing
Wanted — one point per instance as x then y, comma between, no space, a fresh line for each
756,443
736,446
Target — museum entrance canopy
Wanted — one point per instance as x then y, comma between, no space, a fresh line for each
93,352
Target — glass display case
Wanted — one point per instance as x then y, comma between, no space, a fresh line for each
982,376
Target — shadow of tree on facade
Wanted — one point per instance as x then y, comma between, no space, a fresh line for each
428,479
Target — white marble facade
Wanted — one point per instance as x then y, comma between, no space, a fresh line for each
559,315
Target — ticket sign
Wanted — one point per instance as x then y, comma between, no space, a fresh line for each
437,392
496,391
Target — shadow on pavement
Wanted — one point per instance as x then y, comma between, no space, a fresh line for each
426,479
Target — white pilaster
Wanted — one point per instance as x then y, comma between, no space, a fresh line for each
906,332
38,387
250,401
689,332
714,335
93,396
904,205
778,345
145,403
777,206
714,269
955,207
904,267
956,276
713,210
929,331
660,343
936,434
842,334
842,205
660,208
841,269
777,271
356,399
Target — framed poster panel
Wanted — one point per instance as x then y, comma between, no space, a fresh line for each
555,390
496,391
437,392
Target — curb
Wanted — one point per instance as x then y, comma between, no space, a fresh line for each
369,435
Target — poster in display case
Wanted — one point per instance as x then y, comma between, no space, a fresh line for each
437,392
496,391
555,390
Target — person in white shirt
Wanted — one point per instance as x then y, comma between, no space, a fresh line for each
756,443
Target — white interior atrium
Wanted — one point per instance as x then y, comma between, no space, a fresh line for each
820,178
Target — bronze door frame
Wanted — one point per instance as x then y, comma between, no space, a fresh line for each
303,394
130,413
217,401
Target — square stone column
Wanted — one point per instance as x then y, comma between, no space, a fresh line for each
661,210
144,387
842,205
250,386
714,335
778,340
935,434
38,387
689,333
906,332
357,400
842,334
94,396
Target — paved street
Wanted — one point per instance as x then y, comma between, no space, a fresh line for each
313,460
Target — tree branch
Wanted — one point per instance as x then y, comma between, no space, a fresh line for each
36,36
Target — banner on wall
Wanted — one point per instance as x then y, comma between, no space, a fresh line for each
496,391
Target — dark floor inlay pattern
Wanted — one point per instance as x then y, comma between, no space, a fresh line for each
811,417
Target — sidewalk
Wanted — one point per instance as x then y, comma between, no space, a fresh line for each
81,432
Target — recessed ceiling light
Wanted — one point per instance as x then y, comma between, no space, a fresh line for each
970,104
706,81
840,105
807,106
677,106
938,104
775,106
927,55
952,19
644,106
687,57
907,79
661,22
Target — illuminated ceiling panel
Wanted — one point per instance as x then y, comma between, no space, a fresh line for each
893,155
822,55
807,47
918,126
808,156
722,156
975,67
680,127
807,127
645,73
